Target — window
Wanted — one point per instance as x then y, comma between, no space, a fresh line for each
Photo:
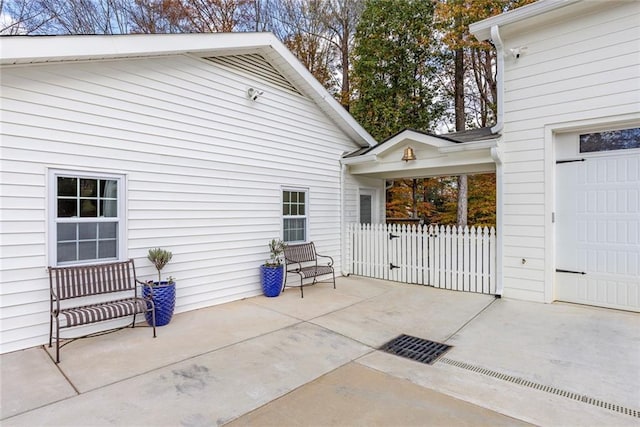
87,215
294,214
611,140
365,209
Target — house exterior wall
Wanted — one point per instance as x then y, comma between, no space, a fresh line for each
578,72
204,169
352,185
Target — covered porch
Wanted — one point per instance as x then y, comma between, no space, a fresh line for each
464,259
316,361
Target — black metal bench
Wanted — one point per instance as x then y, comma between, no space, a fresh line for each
302,260
116,282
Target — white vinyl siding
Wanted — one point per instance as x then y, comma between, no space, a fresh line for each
580,70
204,168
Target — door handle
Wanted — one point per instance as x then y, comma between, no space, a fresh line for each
559,270
391,266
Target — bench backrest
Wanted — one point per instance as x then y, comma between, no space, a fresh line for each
87,280
303,252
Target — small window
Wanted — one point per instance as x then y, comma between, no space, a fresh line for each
294,214
86,218
610,140
365,208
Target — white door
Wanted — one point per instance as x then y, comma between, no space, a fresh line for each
598,230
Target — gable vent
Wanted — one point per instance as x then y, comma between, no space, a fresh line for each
255,65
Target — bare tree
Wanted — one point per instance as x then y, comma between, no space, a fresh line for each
341,18
21,17
66,16
76,16
299,26
158,16
255,18
209,16
118,16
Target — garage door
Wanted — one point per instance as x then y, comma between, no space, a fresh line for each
598,230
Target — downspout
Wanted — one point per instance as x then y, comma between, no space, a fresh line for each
496,155
343,231
497,42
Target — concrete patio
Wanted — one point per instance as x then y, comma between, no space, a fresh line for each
314,361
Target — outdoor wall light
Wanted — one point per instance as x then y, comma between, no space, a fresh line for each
408,154
253,93
518,51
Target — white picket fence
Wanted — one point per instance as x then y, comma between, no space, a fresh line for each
462,259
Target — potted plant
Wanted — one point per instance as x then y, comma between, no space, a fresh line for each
162,292
272,271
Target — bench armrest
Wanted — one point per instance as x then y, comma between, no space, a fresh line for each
326,256
146,285
288,262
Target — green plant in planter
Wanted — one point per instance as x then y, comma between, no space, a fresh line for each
160,258
276,249
162,293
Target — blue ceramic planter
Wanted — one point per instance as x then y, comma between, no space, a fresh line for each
164,299
271,278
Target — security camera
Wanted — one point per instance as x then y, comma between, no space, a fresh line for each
254,94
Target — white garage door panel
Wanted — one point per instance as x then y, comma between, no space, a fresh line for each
598,231
600,291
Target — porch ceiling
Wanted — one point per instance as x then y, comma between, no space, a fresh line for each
435,156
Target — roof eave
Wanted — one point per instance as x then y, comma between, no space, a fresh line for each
39,49
359,159
470,146
482,29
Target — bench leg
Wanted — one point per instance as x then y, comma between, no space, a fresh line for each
153,321
57,341
153,315
301,291
57,337
50,329
284,282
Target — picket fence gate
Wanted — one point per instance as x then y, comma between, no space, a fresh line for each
456,258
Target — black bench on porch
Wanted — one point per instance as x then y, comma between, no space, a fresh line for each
86,294
302,260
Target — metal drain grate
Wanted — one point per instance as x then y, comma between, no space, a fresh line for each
548,389
414,348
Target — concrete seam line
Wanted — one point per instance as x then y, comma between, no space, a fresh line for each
464,325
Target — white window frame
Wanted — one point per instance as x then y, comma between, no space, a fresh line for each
375,219
305,216
52,215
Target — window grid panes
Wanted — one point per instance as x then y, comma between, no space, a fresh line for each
86,219
294,211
